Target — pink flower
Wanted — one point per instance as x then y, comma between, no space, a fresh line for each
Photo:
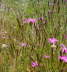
65,36
30,20
23,44
52,40
63,58
34,64
63,48
46,56
62,45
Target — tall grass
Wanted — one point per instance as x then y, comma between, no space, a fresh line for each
13,32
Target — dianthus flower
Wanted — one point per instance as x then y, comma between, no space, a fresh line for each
52,40
34,64
63,58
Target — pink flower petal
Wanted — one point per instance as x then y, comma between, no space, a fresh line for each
30,20
52,40
63,58
34,64
23,44
63,48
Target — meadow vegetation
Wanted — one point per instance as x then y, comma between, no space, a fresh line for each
33,35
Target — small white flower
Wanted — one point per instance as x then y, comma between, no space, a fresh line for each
4,45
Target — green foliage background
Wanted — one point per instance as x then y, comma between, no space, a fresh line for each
15,58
